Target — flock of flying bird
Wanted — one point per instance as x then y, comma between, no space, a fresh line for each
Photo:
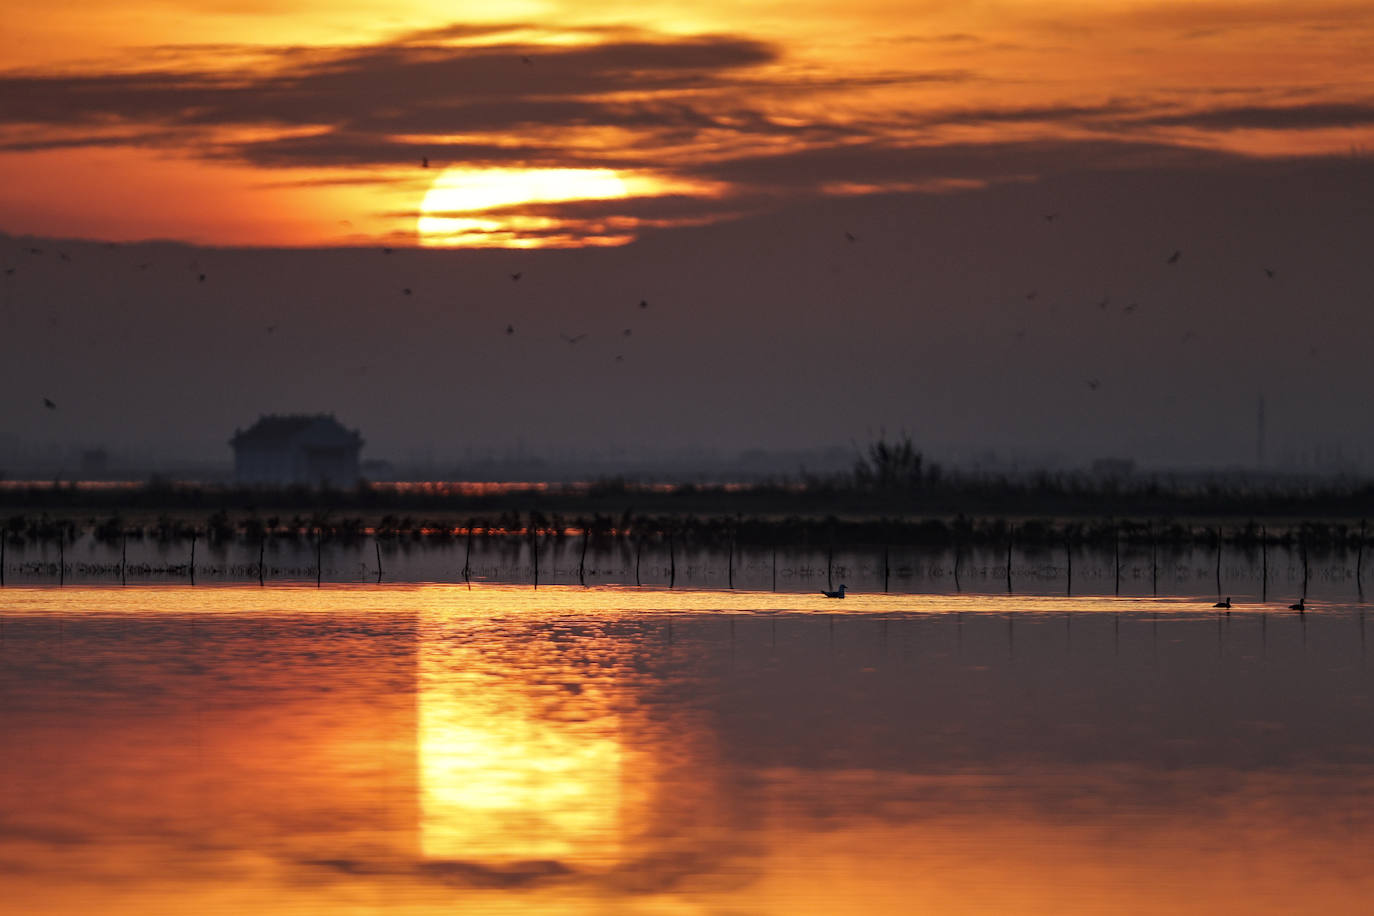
1093,383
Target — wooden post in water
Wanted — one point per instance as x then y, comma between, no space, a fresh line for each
62,558
377,543
262,561
887,570
672,560
1116,548
1359,566
192,566
730,561
582,560
1218,563
534,555
1302,545
639,549
1011,535
123,558
319,555
467,556
956,565
1068,563
775,574
1154,563
830,566
2,559
1264,560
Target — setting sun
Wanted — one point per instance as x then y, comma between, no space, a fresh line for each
472,207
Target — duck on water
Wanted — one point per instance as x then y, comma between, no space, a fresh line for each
838,593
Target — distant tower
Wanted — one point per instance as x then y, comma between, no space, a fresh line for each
1259,434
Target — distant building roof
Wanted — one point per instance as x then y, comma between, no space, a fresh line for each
280,429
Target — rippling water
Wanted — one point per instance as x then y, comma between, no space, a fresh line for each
608,750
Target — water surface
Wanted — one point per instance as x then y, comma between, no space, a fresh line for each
616,750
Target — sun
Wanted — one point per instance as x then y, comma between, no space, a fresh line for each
457,210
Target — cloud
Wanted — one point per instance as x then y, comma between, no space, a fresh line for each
1276,117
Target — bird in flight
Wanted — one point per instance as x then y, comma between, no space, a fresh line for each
201,279
515,277
572,340
619,359
271,329
510,329
1094,383
1173,258
49,403
626,332
9,271
1030,296
31,250
643,303
1051,217
1130,309
63,256
1269,272
850,237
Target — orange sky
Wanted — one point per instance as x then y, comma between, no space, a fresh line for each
239,122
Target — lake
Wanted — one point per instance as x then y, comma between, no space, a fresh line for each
504,749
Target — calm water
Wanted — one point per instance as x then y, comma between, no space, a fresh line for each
418,749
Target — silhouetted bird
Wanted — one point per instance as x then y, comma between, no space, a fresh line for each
515,277
1300,606
1051,217
405,291
201,278
48,403
643,303
32,250
1173,258
620,359
572,340
63,256
626,332
1030,296
144,266
1226,604
837,593
1268,272
510,329
1130,309
850,237
1094,383
9,271
424,162
271,329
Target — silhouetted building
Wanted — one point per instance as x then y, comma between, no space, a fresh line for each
311,449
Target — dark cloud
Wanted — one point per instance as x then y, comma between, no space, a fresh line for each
340,88
877,162
1265,117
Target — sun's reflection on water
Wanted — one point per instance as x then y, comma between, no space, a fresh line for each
508,774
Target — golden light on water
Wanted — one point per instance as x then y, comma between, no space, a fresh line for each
503,781
476,207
